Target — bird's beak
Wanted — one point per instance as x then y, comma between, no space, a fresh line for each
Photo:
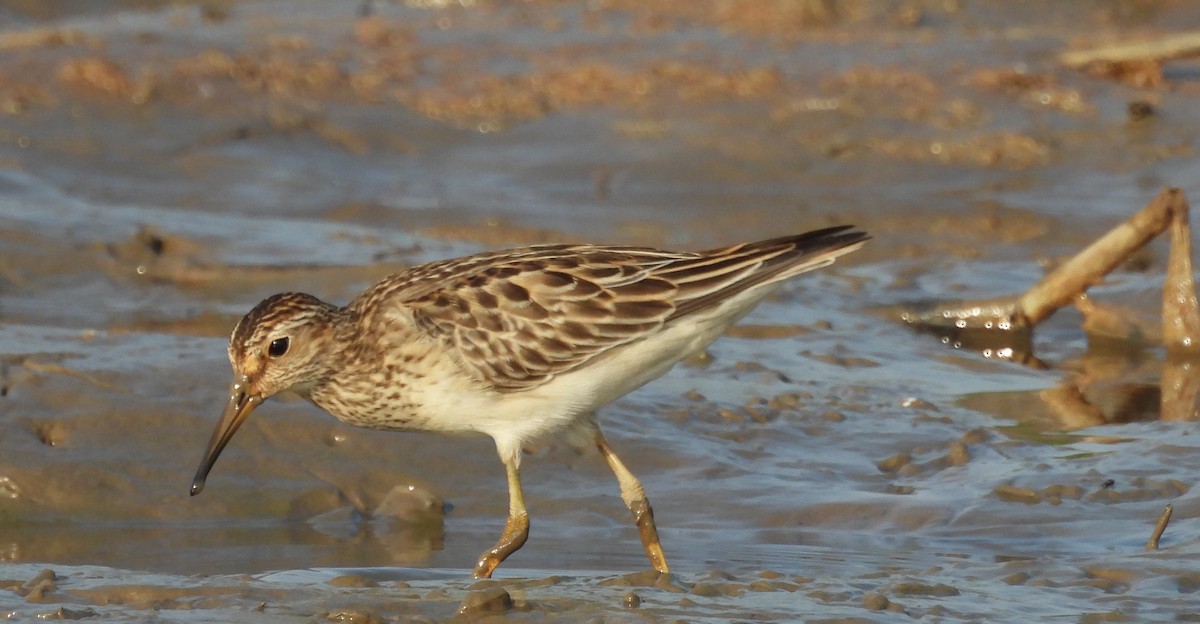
241,403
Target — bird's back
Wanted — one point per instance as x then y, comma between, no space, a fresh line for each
516,319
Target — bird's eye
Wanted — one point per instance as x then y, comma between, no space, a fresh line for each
278,347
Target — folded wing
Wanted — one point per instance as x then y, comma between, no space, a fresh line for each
516,319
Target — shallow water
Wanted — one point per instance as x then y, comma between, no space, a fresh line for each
163,166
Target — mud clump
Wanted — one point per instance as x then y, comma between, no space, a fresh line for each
493,599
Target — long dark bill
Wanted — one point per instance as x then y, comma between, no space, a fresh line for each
241,403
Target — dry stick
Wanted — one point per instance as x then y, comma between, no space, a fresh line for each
1175,46
1180,310
1064,284
1089,266
1180,325
1161,526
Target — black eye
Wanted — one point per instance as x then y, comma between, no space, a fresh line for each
278,347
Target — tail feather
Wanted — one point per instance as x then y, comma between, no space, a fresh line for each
725,272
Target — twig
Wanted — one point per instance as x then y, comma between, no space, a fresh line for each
1163,519
1163,47
1088,267
1063,285
1181,309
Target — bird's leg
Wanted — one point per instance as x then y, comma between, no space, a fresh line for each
635,499
516,529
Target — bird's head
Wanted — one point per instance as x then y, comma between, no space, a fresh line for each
279,345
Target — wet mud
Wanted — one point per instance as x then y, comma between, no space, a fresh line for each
165,165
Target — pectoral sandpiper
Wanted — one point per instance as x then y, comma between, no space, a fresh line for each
514,344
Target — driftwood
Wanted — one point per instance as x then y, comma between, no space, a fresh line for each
1068,283
1004,326
1162,48
1138,63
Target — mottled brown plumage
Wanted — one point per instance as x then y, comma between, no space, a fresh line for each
514,344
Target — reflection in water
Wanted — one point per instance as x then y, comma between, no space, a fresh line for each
1111,383
1180,386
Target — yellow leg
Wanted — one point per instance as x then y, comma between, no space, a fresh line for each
516,529
635,499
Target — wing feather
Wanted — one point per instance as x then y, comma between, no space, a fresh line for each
517,318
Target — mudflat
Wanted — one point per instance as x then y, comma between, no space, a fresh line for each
164,166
